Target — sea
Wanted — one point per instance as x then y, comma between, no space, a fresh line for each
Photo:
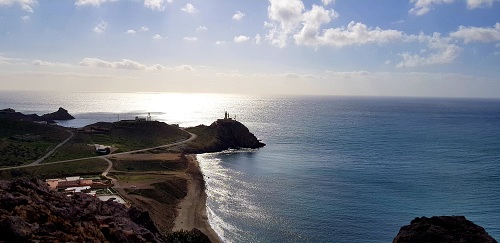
335,169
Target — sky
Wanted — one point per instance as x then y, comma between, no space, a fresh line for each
437,48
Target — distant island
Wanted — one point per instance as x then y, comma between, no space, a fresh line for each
148,164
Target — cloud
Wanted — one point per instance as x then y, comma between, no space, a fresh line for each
284,16
101,27
220,42
422,7
123,64
26,5
202,28
189,8
442,51
144,29
130,32
477,34
327,2
238,16
472,4
241,39
185,68
50,64
157,37
95,3
158,5
187,38
290,19
26,18
257,39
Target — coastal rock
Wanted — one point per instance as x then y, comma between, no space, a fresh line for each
18,116
442,229
29,212
222,135
61,114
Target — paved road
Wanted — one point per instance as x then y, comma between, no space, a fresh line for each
105,157
38,161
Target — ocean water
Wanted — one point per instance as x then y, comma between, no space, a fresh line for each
335,169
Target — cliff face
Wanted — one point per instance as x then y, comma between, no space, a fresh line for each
60,114
222,135
442,229
235,135
30,212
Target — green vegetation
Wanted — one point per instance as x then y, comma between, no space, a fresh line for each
123,136
83,167
207,137
150,165
78,147
127,136
23,142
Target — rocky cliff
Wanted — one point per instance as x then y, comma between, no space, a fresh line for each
221,135
442,229
30,212
60,114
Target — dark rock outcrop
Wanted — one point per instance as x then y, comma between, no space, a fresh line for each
61,114
18,116
442,229
222,135
29,212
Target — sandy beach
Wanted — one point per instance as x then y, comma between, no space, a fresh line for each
192,211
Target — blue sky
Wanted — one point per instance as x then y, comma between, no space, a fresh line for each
448,48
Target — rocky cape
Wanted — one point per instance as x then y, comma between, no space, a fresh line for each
442,229
61,114
49,118
221,135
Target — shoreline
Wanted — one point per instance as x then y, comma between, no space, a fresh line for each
192,210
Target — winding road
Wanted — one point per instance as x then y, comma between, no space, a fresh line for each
104,157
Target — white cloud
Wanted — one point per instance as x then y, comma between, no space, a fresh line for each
257,39
472,4
288,18
477,34
442,51
284,16
101,27
123,64
327,2
422,7
202,28
26,18
158,5
130,32
89,2
187,38
144,29
185,68
241,39
26,5
157,37
238,15
50,64
220,42
189,8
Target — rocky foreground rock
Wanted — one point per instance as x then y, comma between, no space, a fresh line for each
442,229
29,211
